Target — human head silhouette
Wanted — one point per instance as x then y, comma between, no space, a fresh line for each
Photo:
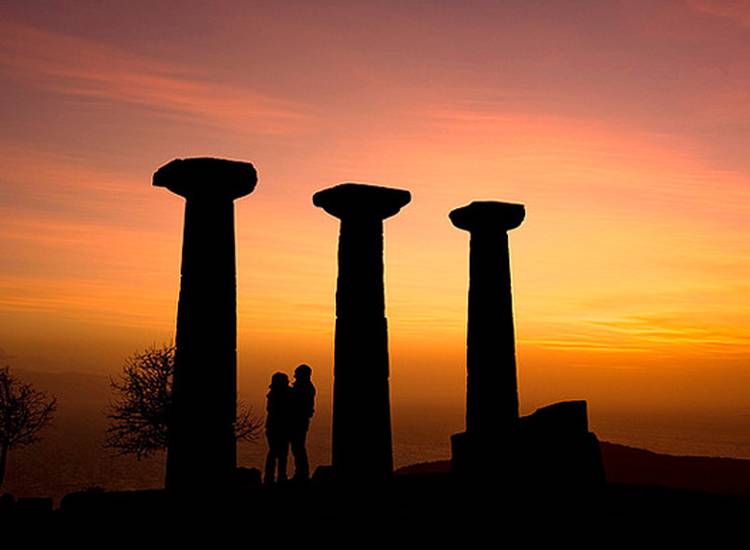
279,381
303,372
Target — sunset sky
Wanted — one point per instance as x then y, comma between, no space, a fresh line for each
622,126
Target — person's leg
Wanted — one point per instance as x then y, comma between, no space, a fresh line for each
301,465
270,463
294,441
283,453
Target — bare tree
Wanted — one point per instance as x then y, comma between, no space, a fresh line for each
24,412
139,415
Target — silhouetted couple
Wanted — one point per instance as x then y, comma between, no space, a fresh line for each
290,409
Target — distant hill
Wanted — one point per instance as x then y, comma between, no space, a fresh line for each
631,466
627,465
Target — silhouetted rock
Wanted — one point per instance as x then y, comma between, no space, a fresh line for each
323,475
559,419
247,479
34,506
145,502
537,455
202,448
557,448
362,446
7,502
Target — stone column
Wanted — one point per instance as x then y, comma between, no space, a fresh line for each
362,445
201,454
491,388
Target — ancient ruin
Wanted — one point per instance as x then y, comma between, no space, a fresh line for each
201,453
491,385
362,446
548,448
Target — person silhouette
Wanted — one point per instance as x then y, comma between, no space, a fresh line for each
277,427
301,411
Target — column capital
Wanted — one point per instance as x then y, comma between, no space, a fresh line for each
359,200
488,216
206,177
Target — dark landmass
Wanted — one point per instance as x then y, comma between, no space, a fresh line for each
429,507
649,488
625,465
723,476
644,488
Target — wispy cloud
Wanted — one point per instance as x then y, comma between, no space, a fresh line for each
50,186
584,346
94,71
608,150
677,330
737,11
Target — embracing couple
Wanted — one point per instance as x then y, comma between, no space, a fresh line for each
290,409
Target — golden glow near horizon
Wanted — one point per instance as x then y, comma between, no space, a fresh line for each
622,128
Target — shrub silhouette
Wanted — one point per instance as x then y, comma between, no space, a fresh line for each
139,414
24,412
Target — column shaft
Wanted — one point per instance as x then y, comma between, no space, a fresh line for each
202,447
492,394
361,412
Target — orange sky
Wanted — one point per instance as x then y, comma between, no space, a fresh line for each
622,126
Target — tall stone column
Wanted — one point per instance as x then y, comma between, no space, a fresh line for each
492,388
550,452
202,454
362,446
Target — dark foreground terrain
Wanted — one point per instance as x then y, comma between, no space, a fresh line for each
625,465
645,492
